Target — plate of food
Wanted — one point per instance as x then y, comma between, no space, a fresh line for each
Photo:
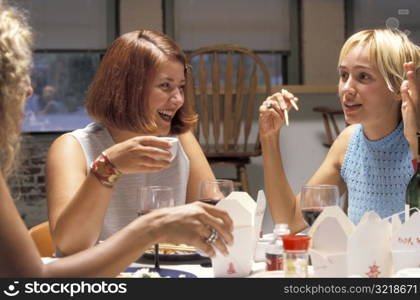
140,272
171,252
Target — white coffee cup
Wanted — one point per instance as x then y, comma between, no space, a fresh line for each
174,145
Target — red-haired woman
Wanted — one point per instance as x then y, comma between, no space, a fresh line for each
18,254
94,173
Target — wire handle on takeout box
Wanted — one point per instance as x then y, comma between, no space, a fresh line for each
406,212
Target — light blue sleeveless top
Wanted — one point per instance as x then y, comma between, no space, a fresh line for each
376,173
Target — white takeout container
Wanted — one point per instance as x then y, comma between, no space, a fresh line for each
247,219
406,244
373,248
369,248
329,264
329,237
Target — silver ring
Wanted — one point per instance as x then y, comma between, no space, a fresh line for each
269,104
212,237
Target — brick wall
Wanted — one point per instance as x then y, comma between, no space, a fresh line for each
27,183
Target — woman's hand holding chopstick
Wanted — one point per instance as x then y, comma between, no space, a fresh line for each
274,111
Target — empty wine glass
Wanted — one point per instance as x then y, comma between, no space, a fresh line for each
151,198
212,191
313,200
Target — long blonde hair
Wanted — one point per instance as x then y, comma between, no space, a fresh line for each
15,63
389,49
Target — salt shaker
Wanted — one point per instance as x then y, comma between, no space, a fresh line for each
274,253
296,255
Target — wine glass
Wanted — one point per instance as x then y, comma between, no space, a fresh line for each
314,198
212,191
154,197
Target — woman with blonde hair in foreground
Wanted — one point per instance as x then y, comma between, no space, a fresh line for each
18,254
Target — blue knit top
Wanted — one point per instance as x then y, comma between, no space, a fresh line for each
376,173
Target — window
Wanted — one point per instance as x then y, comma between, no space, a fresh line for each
70,37
60,81
264,29
402,14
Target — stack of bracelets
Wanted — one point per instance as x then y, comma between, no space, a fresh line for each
105,171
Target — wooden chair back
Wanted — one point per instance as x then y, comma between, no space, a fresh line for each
330,123
226,86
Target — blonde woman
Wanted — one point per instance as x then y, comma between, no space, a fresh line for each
372,158
18,255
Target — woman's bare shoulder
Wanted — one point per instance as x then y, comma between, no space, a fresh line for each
340,145
346,134
65,144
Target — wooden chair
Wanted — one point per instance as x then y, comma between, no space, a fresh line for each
329,118
42,237
226,87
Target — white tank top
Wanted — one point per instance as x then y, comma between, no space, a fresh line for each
94,139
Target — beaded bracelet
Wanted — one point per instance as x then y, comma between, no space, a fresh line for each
105,171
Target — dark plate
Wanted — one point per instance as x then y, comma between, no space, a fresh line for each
164,272
173,257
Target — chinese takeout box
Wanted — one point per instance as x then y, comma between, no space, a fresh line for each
247,218
369,248
330,233
406,244
341,249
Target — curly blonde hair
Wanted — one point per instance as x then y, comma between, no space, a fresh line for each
15,64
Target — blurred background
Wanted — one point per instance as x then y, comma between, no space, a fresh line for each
299,40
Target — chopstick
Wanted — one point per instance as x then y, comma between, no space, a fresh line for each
285,111
294,104
286,117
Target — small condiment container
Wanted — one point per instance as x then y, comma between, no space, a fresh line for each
296,255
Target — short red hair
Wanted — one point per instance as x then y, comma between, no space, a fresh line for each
122,83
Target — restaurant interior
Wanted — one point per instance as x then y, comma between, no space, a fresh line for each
299,41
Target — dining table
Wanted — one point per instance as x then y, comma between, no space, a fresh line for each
198,267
